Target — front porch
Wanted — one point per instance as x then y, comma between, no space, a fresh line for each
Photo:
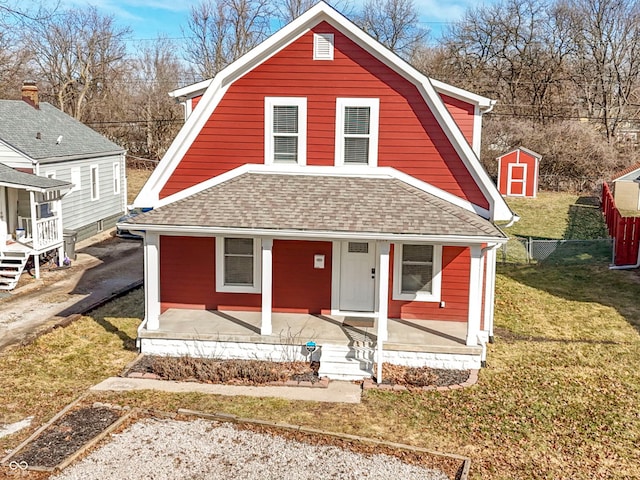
347,346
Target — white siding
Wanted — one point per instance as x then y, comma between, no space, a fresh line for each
78,210
11,158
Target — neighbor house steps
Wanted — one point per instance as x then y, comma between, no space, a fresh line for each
11,267
352,362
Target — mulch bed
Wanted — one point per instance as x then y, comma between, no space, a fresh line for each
255,372
66,436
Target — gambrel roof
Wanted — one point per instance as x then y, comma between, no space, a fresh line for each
47,134
217,87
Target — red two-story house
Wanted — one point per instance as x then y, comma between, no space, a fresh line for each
322,190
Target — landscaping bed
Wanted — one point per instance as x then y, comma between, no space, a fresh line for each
258,372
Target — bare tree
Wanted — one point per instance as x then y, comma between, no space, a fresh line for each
221,31
606,66
80,54
516,51
394,23
157,70
289,10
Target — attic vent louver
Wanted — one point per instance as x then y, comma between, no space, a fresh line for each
323,46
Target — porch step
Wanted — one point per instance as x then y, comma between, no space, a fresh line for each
341,362
11,267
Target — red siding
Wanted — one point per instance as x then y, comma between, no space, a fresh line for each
455,291
188,280
410,138
188,277
462,113
297,286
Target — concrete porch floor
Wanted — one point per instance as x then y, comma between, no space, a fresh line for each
293,328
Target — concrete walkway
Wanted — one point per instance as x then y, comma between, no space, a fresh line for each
336,392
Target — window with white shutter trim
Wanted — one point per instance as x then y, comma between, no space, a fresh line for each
285,130
357,131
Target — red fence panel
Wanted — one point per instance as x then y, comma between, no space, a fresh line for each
624,230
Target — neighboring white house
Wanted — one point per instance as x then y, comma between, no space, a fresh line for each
40,139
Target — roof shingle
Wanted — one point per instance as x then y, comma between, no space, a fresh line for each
374,205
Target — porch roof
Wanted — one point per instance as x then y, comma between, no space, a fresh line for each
309,203
10,177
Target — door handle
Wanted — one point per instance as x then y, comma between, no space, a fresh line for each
373,273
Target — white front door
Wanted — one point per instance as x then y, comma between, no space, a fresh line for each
3,217
357,276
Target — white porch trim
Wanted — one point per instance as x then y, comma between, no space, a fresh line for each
383,291
490,289
152,280
266,327
475,295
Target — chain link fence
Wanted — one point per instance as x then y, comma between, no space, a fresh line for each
520,251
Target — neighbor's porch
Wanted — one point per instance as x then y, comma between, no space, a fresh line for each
236,334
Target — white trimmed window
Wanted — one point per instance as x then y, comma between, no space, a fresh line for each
357,131
285,122
323,46
95,183
417,272
237,265
116,178
76,179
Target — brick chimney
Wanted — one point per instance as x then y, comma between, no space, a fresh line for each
30,94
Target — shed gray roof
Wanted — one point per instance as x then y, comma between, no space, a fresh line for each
11,176
321,203
20,124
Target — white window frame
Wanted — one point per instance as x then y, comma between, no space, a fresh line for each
374,120
269,104
94,186
220,265
323,39
436,283
116,178
76,179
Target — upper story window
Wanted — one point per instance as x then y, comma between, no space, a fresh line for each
285,130
357,131
417,272
323,46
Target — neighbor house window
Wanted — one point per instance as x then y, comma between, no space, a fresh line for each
76,179
357,131
237,265
95,185
116,178
285,130
417,272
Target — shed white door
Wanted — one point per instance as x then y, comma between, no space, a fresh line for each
357,276
517,180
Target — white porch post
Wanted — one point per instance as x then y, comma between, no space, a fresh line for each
475,296
383,303
152,280
34,232
490,289
60,230
266,327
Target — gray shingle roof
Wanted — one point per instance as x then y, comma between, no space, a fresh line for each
12,176
20,124
321,203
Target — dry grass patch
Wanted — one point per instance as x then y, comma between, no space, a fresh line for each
136,178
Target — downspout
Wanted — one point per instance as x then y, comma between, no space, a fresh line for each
627,267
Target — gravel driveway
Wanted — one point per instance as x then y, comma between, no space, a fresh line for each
198,449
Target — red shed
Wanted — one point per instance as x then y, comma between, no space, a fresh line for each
518,173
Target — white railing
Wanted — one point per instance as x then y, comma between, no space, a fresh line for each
47,233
